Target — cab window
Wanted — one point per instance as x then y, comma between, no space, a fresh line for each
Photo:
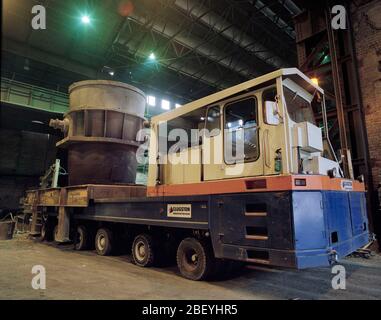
270,95
269,106
213,118
298,108
241,131
188,125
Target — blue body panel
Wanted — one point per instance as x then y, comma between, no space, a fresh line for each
309,221
298,229
328,223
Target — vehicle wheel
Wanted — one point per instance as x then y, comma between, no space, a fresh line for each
104,242
143,252
195,259
46,232
82,238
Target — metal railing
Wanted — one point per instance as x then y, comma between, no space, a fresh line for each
30,96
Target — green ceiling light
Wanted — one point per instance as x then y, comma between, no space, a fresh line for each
326,59
85,19
152,56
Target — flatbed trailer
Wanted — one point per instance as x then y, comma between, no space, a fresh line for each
265,224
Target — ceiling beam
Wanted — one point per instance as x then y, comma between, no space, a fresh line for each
61,62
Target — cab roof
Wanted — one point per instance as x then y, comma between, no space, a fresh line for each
293,73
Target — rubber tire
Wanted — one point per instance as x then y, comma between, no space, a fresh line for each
108,247
46,232
205,256
82,238
150,256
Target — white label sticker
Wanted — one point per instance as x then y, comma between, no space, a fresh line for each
346,185
179,210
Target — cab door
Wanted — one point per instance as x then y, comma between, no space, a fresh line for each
231,141
212,145
242,137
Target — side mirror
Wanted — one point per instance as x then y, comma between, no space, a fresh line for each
272,113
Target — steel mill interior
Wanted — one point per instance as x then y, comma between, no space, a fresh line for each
190,150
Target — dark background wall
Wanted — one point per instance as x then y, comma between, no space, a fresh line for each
367,32
27,150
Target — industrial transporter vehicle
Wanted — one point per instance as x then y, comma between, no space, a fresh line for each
258,182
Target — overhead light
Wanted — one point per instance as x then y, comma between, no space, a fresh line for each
151,100
126,8
108,70
152,56
315,81
177,105
165,104
85,19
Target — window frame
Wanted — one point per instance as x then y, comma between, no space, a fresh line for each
235,100
289,105
190,142
263,104
206,119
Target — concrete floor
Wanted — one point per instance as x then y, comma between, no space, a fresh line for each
85,275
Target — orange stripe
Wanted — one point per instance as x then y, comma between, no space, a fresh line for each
275,183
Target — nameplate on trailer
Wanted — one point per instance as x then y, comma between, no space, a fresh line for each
347,185
179,210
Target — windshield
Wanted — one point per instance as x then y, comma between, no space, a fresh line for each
298,108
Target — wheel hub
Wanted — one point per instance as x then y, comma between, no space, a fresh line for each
191,259
101,242
140,250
